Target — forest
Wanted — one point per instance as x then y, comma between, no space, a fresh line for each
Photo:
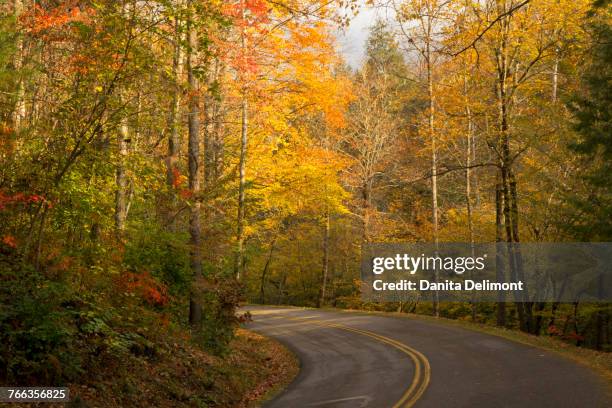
164,161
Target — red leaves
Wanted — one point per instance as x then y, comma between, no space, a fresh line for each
10,241
145,286
575,337
554,331
21,198
557,332
6,199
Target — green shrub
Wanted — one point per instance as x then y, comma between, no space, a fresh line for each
164,254
36,330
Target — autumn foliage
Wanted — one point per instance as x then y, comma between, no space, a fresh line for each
163,161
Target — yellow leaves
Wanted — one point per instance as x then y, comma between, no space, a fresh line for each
298,179
296,99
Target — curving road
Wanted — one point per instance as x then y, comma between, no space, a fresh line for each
355,360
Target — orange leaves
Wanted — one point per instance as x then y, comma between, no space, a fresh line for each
250,9
185,194
51,24
250,17
177,179
10,241
7,143
60,27
179,183
5,130
249,64
80,63
232,10
145,286
257,7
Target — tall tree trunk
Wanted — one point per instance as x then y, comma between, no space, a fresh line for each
367,204
175,100
530,327
324,273
600,329
218,113
20,106
506,160
555,306
499,258
264,273
555,76
193,122
238,266
121,178
508,222
213,143
434,164
209,145
468,179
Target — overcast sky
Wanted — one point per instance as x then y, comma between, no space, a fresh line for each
352,40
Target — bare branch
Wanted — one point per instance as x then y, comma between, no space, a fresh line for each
491,24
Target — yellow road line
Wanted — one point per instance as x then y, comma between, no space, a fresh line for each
421,379
422,369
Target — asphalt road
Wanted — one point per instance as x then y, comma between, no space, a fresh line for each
356,360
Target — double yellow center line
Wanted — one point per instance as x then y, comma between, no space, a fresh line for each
422,369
